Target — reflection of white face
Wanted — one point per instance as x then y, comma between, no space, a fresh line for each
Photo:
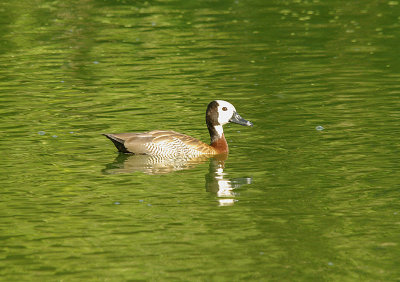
225,111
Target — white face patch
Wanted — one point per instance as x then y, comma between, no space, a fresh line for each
225,112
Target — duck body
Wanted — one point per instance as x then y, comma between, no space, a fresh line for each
165,143
162,143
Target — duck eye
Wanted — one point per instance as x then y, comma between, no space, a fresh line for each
224,108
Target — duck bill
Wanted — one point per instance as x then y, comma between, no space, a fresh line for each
236,118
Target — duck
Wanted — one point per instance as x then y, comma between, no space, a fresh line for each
172,144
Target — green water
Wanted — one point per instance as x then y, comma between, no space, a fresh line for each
310,193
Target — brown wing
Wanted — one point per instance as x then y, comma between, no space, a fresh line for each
141,143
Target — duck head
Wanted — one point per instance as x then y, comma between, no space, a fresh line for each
220,112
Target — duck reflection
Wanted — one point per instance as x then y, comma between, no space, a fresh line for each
125,163
217,180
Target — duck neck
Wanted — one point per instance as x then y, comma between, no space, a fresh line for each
218,140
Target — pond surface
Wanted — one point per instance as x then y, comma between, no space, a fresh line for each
310,193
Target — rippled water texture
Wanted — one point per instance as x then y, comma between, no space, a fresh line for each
310,193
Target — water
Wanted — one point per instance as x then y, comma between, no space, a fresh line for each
291,202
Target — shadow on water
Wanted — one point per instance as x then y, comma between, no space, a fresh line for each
217,181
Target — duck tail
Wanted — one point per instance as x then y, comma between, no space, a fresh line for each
118,142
